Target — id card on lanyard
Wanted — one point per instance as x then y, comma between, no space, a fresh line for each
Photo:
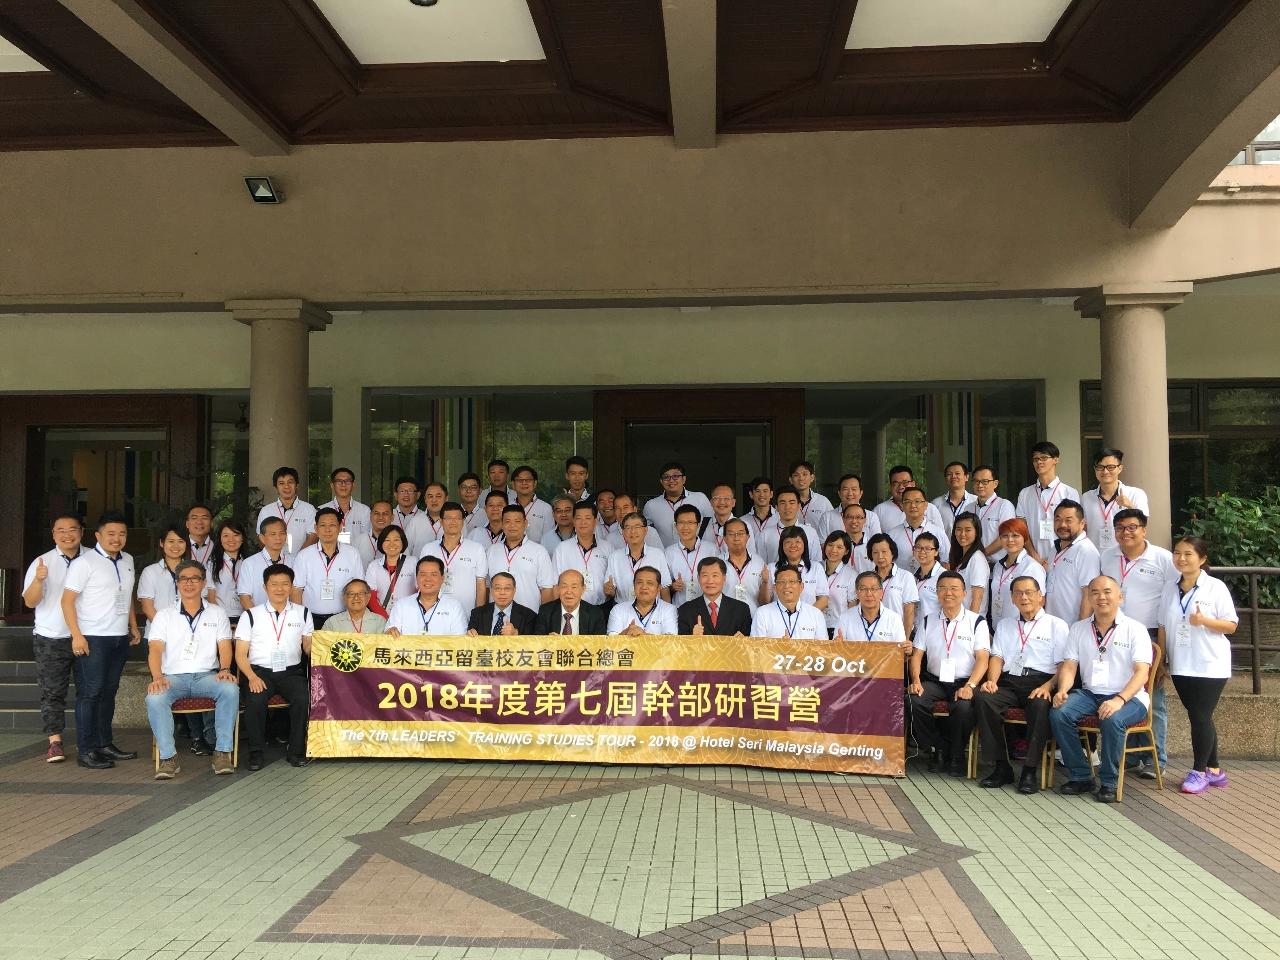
279,661
947,674
1101,676
1182,634
1046,510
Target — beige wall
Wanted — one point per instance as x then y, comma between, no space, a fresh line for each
1213,334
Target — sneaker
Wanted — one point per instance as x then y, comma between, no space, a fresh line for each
201,747
1218,779
222,762
1141,769
168,769
1195,782
55,755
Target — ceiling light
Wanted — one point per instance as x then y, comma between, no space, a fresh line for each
262,190
423,3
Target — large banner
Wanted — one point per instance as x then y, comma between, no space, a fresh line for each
796,705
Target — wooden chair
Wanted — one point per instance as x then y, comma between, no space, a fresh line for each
942,708
1018,717
188,705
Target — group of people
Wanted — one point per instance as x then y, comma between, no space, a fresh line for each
1050,603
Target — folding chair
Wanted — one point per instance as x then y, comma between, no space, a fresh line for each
200,705
942,708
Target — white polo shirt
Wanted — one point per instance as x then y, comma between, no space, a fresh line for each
1100,514
484,536
613,536
858,559
322,578
768,539
841,594
976,573
466,564
539,516
1035,644
1107,663
951,646
1142,581
592,562
49,621
529,564
683,565
714,535
552,540
743,583
659,621
444,618
1001,583
814,509
190,643
904,537
389,592
833,522
159,584
812,578
927,589
887,627
202,552
622,571
418,529
224,582
1197,651
661,513
1070,571
249,582
949,511
900,590
995,512
891,515
299,521
106,591
1036,506
356,524
806,622
756,526
274,636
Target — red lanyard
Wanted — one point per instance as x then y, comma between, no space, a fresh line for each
279,621
1062,553
1046,507
328,561
1023,639
694,564
990,503
1126,567
955,628
511,554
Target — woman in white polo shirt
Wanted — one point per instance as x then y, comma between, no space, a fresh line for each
1196,616
968,559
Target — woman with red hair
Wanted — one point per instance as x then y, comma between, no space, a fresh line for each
1016,562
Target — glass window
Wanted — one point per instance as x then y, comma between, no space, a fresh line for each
1269,155
1184,413
1242,467
1271,132
1244,406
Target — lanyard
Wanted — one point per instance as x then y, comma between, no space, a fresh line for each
644,621
990,503
789,621
193,621
394,578
738,570
426,621
435,527
587,551
232,561
1062,553
202,553
115,562
911,539
450,557
1024,639
1108,506
831,580
1010,571
1102,640
1045,507
279,616
869,626
718,534
284,514
955,628
1126,567
673,504
328,560
357,625
174,575
636,561
1186,604
758,522
697,551
511,554
956,507
405,516
804,508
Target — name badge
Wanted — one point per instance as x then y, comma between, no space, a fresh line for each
448,580
740,592
327,589
1046,529
589,582
1108,534
122,601
1017,666
947,674
344,536
1182,634
1101,677
288,543
278,661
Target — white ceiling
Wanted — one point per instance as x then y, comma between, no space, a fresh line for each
942,23
13,60
396,31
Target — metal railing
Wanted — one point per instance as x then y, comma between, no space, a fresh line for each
1253,614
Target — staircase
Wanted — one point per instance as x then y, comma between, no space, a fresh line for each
19,692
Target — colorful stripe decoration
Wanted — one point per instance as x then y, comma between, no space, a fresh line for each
792,705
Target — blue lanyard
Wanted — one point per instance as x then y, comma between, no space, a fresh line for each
644,621
869,628
1186,604
193,622
426,621
788,623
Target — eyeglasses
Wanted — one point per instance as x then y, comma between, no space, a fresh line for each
358,594
983,481
343,482
1041,458
191,579
1106,467
924,548
633,526
1127,527
867,589
671,476
789,582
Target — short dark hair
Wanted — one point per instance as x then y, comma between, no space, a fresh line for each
848,476
328,512
437,483
882,538
417,567
901,468
356,581
576,461
868,575
275,570
524,468
513,508
495,493
849,506
452,506
503,573
587,505
497,462
1108,452
785,488
713,562
989,468
188,564
797,464
199,506
333,475
603,490
685,510
1047,447
927,536
464,477
648,569
112,516
671,465
783,567
1131,513
957,463
284,472
262,527
757,481
730,523
389,529
1024,577
68,516
837,536
401,481
951,575
1070,505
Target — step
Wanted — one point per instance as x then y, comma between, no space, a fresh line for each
23,720
21,696
11,670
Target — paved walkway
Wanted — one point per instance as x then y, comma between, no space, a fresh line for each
518,862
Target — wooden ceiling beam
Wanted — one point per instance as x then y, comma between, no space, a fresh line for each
136,33
690,29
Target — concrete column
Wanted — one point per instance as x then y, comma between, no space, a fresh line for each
278,380
1135,404
350,427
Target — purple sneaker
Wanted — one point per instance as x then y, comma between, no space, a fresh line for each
1218,779
1195,782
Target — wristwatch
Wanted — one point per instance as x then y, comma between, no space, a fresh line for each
971,685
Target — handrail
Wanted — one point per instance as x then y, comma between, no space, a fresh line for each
1255,613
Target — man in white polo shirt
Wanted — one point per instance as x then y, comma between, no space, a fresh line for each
744,570
645,612
787,501
991,508
562,527
538,516
271,639
661,511
272,535
1037,501
523,558
1112,654
298,515
1102,503
465,567
849,492
788,617
636,552
1074,565
189,654
957,499
410,518
355,521
915,508
322,571
51,640
97,605
585,552
871,620
889,512
722,503
1143,570
623,505
431,614
813,506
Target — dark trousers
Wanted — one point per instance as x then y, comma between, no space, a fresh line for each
292,684
1200,696
97,676
318,619
925,727
54,662
1013,692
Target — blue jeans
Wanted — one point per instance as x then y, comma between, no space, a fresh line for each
1065,721
97,676
181,685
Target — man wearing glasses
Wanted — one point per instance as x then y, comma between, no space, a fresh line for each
1037,501
991,508
1110,496
787,616
354,519
916,522
661,511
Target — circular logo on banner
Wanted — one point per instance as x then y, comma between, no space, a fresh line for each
346,655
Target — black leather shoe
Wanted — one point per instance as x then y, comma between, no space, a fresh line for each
1105,795
298,761
957,767
935,759
201,747
1073,788
1029,782
112,752
1000,776
94,760
255,761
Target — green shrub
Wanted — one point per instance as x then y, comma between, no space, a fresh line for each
1242,532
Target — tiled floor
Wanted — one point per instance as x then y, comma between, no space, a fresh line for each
463,861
